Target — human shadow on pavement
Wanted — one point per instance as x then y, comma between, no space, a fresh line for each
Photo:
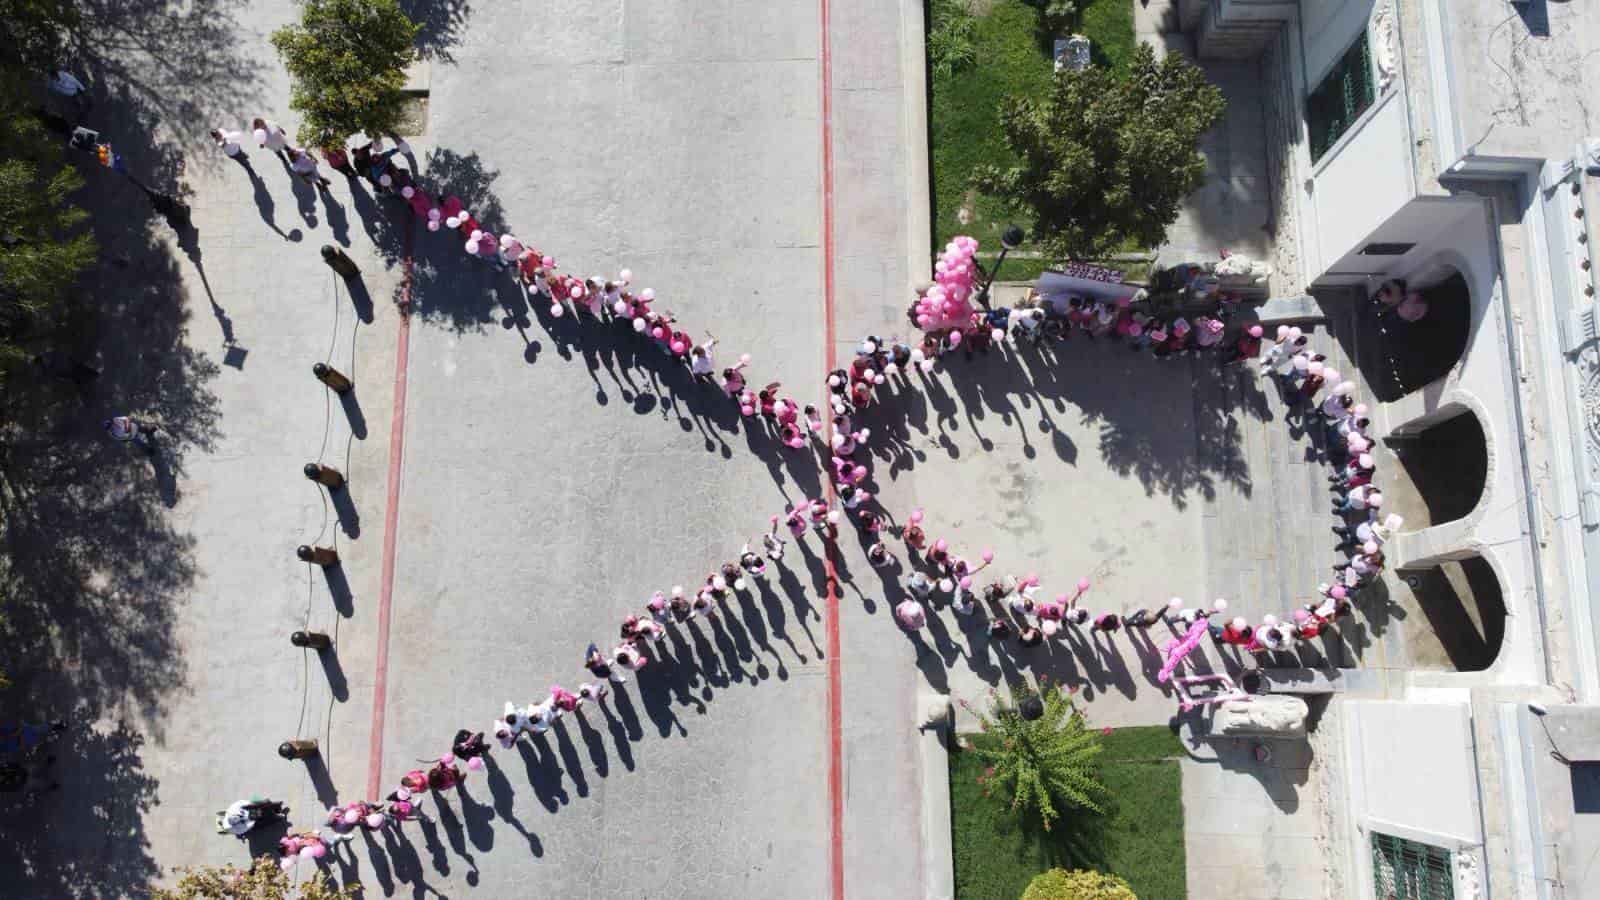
180,65
1150,424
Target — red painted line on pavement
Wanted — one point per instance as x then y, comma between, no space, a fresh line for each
831,548
391,517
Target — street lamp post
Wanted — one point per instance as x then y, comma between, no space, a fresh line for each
1009,241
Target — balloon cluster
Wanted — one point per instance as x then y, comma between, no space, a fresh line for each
947,305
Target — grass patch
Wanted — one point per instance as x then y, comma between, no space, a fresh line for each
1140,839
1012,57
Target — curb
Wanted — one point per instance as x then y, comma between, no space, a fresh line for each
936,723
914,104
937,853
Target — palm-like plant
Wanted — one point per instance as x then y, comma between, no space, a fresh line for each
1043,761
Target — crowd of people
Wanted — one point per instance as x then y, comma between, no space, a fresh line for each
951,316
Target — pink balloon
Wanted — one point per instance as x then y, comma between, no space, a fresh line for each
988,556
678,347
578,291
318,850
1338,592
940,545
860,472
955,338
638,325
449,759
966,581
376,819
475,764
352,816
433,224
1083,584
556,310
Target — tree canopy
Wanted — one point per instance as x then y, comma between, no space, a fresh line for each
33,32
43,245
1106,160
348,61
264,880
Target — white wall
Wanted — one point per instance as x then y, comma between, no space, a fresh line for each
1362,183
1413,771
1329,28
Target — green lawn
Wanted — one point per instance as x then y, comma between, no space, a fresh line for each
1141,839
1013,57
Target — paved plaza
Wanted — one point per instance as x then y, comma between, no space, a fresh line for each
517,482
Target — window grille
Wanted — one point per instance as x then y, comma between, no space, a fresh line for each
1344,94
1407,870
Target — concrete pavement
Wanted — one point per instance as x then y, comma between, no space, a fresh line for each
553,475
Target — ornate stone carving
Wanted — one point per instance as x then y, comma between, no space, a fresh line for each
1384,53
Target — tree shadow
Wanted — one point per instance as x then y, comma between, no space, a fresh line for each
442,292
88,838
162,76
441,24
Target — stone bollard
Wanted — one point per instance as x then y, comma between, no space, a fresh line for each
322,556
326,476
311,640
298,749
339,261
332,377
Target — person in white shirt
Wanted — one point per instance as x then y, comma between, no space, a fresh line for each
271,136
228,143
701,364
1359,498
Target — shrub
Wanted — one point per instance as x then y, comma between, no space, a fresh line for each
1042,761
1106,159
264,880
1078,884
952,37
347,59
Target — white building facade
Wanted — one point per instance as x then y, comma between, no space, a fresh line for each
1454,145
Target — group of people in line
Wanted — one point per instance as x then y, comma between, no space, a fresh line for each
1017,608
